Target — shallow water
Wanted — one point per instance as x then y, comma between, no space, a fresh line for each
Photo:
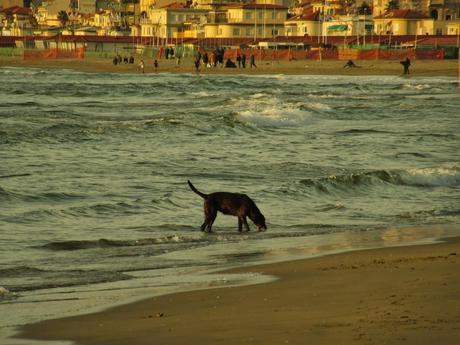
93,193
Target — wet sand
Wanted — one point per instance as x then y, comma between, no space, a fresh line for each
304,67
399,295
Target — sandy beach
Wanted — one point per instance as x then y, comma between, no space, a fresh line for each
399,295
306,67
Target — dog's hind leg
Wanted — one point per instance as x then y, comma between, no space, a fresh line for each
210,214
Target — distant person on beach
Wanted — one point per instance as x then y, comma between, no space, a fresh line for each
155,64
167,53
252,61
238,59
406,64
131,59
125,60
243,60
115,60
229,64
349,64
197,64
142,65
119,59
206,60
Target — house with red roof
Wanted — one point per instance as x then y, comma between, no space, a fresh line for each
404,22
307,23
16,21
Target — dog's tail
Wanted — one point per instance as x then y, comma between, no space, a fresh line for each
192,187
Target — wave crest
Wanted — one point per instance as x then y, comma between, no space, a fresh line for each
421,177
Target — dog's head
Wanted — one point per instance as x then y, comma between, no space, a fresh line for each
259,221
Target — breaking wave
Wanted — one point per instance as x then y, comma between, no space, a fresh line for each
422,177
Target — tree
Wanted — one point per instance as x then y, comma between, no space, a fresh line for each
364,9
63,17
392,5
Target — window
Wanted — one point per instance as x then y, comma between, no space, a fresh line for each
249,31
275,32
236,32
248,15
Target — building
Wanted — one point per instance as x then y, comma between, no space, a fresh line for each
306,24
176,20
446,15
252,20
84,6
404,22
16,21
11,3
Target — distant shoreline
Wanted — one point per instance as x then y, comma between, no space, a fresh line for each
425,68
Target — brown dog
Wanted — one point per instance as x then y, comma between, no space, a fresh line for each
239,205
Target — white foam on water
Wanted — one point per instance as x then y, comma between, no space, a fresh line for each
263,110
319,106
436,177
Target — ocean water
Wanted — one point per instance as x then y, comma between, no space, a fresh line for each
94,204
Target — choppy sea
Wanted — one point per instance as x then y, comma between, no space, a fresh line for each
94,205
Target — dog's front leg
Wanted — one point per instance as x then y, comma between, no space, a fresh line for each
245,222
240,224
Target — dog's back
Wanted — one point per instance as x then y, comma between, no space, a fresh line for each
234,204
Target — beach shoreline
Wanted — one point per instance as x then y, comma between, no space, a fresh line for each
301,67
394,295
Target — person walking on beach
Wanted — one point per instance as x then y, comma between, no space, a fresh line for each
155,64
406,64
142,65
252,61
206,60
243,60
238,59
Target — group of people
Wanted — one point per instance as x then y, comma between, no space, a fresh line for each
118,60
169,53
213,59
216,58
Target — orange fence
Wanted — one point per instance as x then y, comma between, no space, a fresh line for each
54,53
336,54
